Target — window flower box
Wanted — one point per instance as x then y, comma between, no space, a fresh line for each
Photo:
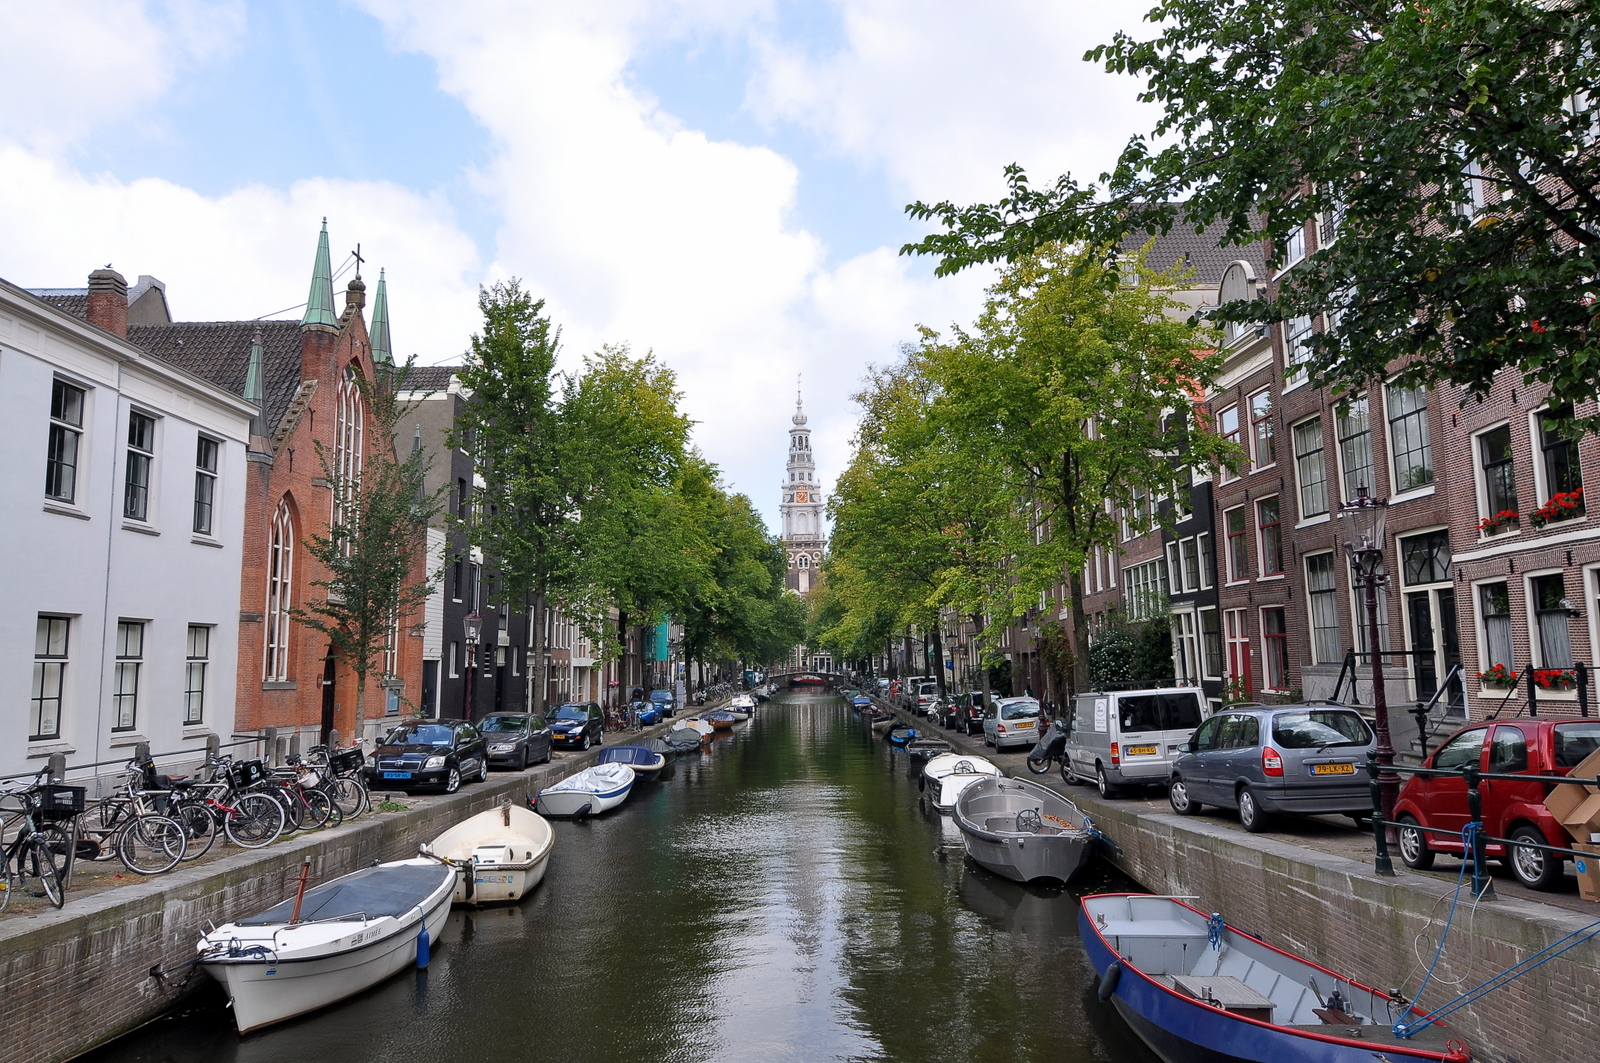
1555,678
1506,518
1563,505
1498,676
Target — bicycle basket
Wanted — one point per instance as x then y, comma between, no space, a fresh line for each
244,774
60,802
347,760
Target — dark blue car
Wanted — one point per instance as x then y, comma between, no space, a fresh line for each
647,713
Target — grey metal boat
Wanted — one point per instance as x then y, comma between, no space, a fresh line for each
1023,831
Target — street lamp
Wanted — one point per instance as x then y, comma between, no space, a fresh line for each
1365,549
474,630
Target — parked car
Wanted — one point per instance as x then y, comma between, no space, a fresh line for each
516,739
646,712
580,724
1131,737
429,753
927,696
967,709
1262,760
1012,722
1540,749
666,701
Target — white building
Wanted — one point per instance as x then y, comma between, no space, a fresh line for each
124,482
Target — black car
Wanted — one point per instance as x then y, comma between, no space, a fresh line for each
429,753
516,739
667,700
966,711
579,724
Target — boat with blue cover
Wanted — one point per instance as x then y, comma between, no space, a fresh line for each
720,720
645,762
903,736
1196,989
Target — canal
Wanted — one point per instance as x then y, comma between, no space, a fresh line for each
785,895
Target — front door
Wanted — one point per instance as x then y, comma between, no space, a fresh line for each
329,674
1436,647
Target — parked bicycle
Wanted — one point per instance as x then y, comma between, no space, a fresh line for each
206,808
35,859
342,778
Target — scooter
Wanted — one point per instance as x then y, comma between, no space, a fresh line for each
1051,747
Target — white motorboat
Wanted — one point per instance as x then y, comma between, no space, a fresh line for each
702,725
330,943
502,854
743,706
1023,831
948,774
590,792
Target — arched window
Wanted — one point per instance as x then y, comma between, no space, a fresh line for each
347,429
280,586
805,561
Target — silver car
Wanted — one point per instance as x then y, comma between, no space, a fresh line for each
1011,722
1308,759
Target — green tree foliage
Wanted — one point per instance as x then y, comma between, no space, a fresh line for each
1451,150
374,547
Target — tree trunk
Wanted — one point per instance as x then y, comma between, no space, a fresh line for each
938,653
540,655
623,679
983,662
361,706
1080,635
907,660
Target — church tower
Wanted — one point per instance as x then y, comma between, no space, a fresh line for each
802,507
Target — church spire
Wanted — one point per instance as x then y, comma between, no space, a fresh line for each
382,352
255,385
319,304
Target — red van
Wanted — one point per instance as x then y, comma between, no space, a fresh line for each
1538,748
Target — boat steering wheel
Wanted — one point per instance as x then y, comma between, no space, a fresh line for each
1028,820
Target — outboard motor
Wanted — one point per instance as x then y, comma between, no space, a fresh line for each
1051,746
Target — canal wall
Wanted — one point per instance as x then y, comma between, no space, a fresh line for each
1341,914
78,977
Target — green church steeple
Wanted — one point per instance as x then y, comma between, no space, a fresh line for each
255,386
378,333
319,304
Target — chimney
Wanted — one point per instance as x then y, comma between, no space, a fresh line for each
108,301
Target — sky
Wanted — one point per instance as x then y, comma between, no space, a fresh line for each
719,182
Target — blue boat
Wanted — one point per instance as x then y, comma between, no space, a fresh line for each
645,762
1195,989
903,736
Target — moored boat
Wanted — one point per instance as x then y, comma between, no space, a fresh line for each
685,738
1023,831
330,943
720,720
1194,988
902,737
646,763
950,773
884,722
923,749
502,854
589,792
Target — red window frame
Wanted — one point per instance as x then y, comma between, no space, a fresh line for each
1236,635
1270,532
1275,648
1238,545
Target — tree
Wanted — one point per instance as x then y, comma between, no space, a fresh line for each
376,540
1076,390
1451,150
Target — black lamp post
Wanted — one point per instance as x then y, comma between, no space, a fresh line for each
474,630
1366,554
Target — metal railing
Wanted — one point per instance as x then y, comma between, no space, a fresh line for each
57,767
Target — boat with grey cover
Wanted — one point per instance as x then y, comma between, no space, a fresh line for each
1023,831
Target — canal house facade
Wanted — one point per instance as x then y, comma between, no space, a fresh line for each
129,483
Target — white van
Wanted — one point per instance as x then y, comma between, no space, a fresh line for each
1131,737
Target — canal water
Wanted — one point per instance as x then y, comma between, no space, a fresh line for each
785,895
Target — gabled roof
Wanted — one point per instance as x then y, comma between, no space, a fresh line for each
430,377
219,351
1197,251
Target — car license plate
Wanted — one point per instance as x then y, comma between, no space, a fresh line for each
1333,769
397,775
1143,751
1025,724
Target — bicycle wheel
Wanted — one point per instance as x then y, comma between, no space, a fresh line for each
8,884
151,844
40,864
199,828
256,820
319,809
57,841
349,796
294,811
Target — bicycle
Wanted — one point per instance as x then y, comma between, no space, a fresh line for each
341,774
33,853
146,841
202,807
295,786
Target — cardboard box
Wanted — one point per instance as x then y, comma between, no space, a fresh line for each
1588,868
1588,768
1576,809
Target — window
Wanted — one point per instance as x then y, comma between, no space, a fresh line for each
474,586
1296,351
1310,468
205,484
1238,547
66,432
1294,247
1275,648
49,676
141,461
1465,750
805,561
1408,438
1322,592
1550,610
1238,649
457,577
1359,612
347,443
1228,428
463,499
1355,448
455,660
125,675
1499,475
1494,607
1269,533
1145,589
1174,567
280,576
1208,564
1190,552
1426,558
1263,446
1211,643
1185,648
1508,751
196,658
1559,461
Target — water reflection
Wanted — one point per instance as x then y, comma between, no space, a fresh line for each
787,895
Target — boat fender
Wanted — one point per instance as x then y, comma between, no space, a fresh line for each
583,813
422,941
1109,980
922,783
